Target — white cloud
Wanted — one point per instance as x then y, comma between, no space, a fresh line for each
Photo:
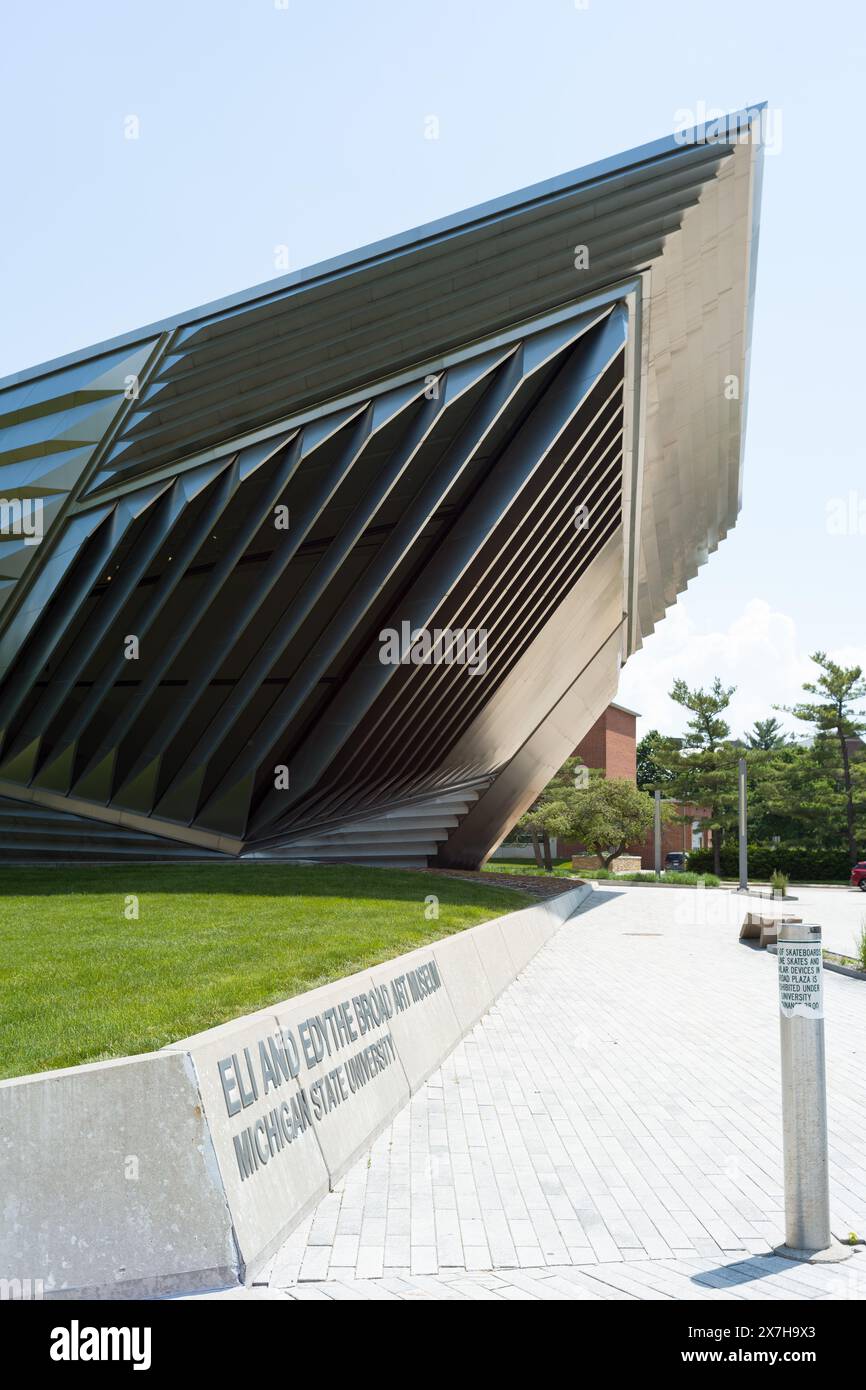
759,654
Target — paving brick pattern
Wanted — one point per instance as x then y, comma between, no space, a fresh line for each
611,1129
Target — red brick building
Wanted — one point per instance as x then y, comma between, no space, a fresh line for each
683,834
611,744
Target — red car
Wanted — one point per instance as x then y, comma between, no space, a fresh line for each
858,876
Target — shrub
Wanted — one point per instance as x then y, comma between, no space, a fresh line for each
687,880
799,863
689,877
779,882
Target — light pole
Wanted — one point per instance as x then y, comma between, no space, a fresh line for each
744,850
657,831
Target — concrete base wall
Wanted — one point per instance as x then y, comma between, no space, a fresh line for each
109,1183
623,864
186,1169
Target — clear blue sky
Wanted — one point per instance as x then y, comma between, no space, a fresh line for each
304,126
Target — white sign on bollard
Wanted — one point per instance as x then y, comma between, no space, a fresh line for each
801,975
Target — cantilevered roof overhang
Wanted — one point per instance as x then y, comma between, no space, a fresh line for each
610,307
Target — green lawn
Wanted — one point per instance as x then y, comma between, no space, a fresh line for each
80,982
561,868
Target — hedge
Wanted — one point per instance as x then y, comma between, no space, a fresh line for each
802,863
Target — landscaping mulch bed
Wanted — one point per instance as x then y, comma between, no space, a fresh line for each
536,885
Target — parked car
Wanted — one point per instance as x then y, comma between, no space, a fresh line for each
858,876
676,860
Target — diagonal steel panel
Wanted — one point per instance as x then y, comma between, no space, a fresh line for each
520,462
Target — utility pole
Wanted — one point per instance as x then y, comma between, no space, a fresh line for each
657,829
744,849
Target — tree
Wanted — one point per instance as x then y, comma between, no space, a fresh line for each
703,762
650,772
793,795
766,735
706,729
551,812
837,728
607,816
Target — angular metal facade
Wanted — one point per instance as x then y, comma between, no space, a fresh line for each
473,427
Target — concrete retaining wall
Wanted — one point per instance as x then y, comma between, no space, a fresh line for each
186,1169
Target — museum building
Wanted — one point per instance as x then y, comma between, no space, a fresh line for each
510,437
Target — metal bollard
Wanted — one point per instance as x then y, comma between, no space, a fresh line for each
804,1097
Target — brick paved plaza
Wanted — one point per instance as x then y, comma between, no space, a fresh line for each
611,1129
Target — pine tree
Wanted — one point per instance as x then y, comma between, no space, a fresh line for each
838,726
650,772
766,734
703,763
